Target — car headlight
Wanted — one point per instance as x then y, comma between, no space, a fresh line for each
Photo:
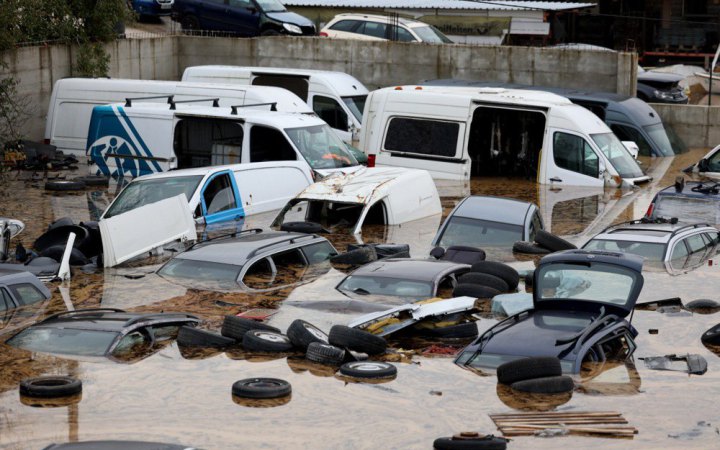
291,28
663,94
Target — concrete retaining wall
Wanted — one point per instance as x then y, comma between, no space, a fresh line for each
698,126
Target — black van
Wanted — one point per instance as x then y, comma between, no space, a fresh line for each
241,17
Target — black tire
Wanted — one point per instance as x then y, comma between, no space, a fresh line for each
459,331
77,258
385,250
470,443
474,290
93,180
712,336
195,337
189,23
50,387
358,340
59,236
703,306
356,257
261,388
303,333
552,242
270,33
546,385
368,369
303,227
484,279
529,248
235,327
500,270
60,223
325,354
266,341
64,185
528,368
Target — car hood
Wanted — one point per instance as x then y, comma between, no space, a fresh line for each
290,17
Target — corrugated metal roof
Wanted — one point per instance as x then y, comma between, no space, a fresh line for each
441,4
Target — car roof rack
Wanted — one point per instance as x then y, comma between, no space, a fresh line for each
289,240
81,311
168,315
226,236
129,100
234,108
659,220
216,102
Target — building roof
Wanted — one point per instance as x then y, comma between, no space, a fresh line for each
442,4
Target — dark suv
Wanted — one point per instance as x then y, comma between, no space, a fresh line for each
241,17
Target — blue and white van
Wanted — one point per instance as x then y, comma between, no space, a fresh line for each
139,138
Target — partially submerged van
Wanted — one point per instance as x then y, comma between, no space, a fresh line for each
73,100
138,138
459,132
338,98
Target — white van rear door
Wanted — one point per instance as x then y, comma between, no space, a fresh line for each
568,159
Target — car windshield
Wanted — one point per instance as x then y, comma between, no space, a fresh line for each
386,286
678,145
594,282
143,192
321,147
690,209
431,35
200,270
356,105
64,341
478,233
271,5
651,251
618,155
660,137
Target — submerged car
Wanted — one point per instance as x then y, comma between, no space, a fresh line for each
580,303
658,87
693,201
709,165
480,221
20,289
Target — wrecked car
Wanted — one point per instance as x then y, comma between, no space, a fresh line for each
581,300
693,201
20,289
480,221
413,279
708,166
101,332
376,196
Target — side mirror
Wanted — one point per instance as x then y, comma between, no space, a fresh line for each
632,148
601,168
703,165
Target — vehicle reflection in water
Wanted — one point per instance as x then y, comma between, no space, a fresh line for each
609,378
525,401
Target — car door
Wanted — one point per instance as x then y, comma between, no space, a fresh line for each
220,200
571,161
243,17
212,15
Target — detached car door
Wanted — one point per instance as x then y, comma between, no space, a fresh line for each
220,200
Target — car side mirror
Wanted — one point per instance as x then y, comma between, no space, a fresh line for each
601,168
703,165
632,148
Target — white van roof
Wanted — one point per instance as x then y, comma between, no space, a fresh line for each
345,84
214,169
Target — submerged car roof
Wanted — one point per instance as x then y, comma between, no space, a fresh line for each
496,209
647,232
630,261
411,269
686,190
108,319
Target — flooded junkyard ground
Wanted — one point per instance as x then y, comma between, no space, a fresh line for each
185,397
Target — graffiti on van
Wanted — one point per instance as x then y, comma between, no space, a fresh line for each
116,148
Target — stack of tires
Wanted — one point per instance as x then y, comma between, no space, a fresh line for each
544,243
539,375
52,243
486,279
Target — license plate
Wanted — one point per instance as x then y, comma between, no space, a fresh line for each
165,6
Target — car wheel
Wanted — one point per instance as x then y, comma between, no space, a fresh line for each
235,327
703,306
64,185
552,242
325,354
470,441
500,270
356,257
266,341
50,387
358,340
195,337
546,385
529,248
189,23
303,333
261,388
474,290
712,336
528,368
484,279
368,369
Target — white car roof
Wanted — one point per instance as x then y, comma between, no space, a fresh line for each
660,233
379,18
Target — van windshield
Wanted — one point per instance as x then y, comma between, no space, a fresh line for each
321,147
618,155
660,138
356,105
271,6
143,192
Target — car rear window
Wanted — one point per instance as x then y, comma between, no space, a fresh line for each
27,293
200,270
649,250
596,282
386,286
478,233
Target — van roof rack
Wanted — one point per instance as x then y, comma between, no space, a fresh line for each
129,100
216,102
273,107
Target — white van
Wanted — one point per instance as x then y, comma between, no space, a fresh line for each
73,99
459,132
338,98
140,138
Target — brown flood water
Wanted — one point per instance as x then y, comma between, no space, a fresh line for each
184,397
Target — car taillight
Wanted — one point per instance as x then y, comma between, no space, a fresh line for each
323,34
371,161
650,210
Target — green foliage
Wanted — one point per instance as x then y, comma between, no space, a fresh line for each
13,110
92,61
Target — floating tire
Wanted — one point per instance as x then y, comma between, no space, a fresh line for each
529,248
546,385
60,223
266,341
356,257
528,368
368,369
474,290
484,279
552,242
235,327
500,270
261,388
196,337
303,227
703,306
325,354
59,236
56,252
50,387
470,441
303,333
712,336
358,340
93,180
64,185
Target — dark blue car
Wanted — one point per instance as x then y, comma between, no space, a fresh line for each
152,8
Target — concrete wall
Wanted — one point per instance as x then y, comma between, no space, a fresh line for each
698,126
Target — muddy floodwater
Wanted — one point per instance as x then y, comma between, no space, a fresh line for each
175,395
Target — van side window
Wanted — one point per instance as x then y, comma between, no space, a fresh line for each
219,195
427,137
27,294
330,111
296,85
574,153
269,144
203,142
625,133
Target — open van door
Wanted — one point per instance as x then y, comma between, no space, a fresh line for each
570,160
220,199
